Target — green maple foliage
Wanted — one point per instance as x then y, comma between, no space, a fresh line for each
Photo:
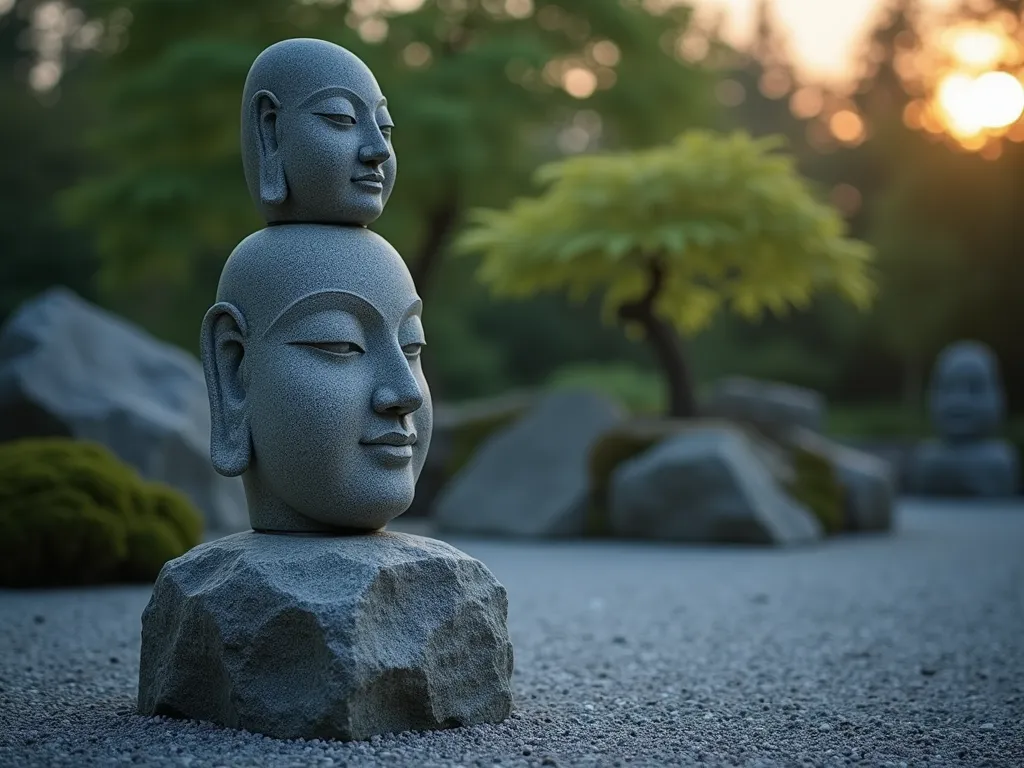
706,223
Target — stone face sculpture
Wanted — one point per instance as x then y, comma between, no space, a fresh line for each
316,136
967,407
311,355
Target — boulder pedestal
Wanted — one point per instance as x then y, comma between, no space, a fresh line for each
988,468
341,637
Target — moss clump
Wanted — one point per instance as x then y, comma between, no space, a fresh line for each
71,513
816,486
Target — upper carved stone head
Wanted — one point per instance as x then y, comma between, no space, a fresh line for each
317,394
966,394
316,136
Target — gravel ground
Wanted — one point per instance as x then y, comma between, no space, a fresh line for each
885,650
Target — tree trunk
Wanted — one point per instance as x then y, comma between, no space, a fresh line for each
440,223
668,348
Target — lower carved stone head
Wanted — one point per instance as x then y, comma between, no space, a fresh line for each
317,394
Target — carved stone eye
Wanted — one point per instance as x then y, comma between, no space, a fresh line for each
343,348
414,349
340,119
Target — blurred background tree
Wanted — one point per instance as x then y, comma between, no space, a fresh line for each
480,92
126,111
670,236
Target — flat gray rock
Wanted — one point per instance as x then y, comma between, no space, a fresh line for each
327,637
70,368
532,478
707,485
769,405
868,482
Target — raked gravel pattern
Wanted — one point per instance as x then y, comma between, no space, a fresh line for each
906,649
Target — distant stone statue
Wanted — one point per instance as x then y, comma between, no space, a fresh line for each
311,353
967,408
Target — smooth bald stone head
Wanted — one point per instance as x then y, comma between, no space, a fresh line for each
317,395
316,136
966,394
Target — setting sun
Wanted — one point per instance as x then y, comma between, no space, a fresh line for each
971,105
973,78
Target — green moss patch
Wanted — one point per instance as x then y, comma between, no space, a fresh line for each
71,513
816,485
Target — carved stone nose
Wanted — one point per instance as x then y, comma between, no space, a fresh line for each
397,401
374,154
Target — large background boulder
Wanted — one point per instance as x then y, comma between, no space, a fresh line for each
68,368
459,429
327,637
706,485
770,406
812,483
531,479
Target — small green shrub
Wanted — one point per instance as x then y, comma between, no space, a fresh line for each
169,506
816,486
71,513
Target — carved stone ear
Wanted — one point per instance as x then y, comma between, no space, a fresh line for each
273,186
223,349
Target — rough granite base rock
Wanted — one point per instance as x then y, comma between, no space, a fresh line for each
339,637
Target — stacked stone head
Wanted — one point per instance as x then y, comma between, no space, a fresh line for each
967,406
318,400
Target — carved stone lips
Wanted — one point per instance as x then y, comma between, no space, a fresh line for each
375,177
393,438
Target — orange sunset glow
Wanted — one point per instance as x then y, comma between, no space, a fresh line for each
975,89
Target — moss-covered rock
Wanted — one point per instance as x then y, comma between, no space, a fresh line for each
614,447
807,477
71,513
816,485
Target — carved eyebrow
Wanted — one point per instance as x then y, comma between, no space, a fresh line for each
340,298
337,90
